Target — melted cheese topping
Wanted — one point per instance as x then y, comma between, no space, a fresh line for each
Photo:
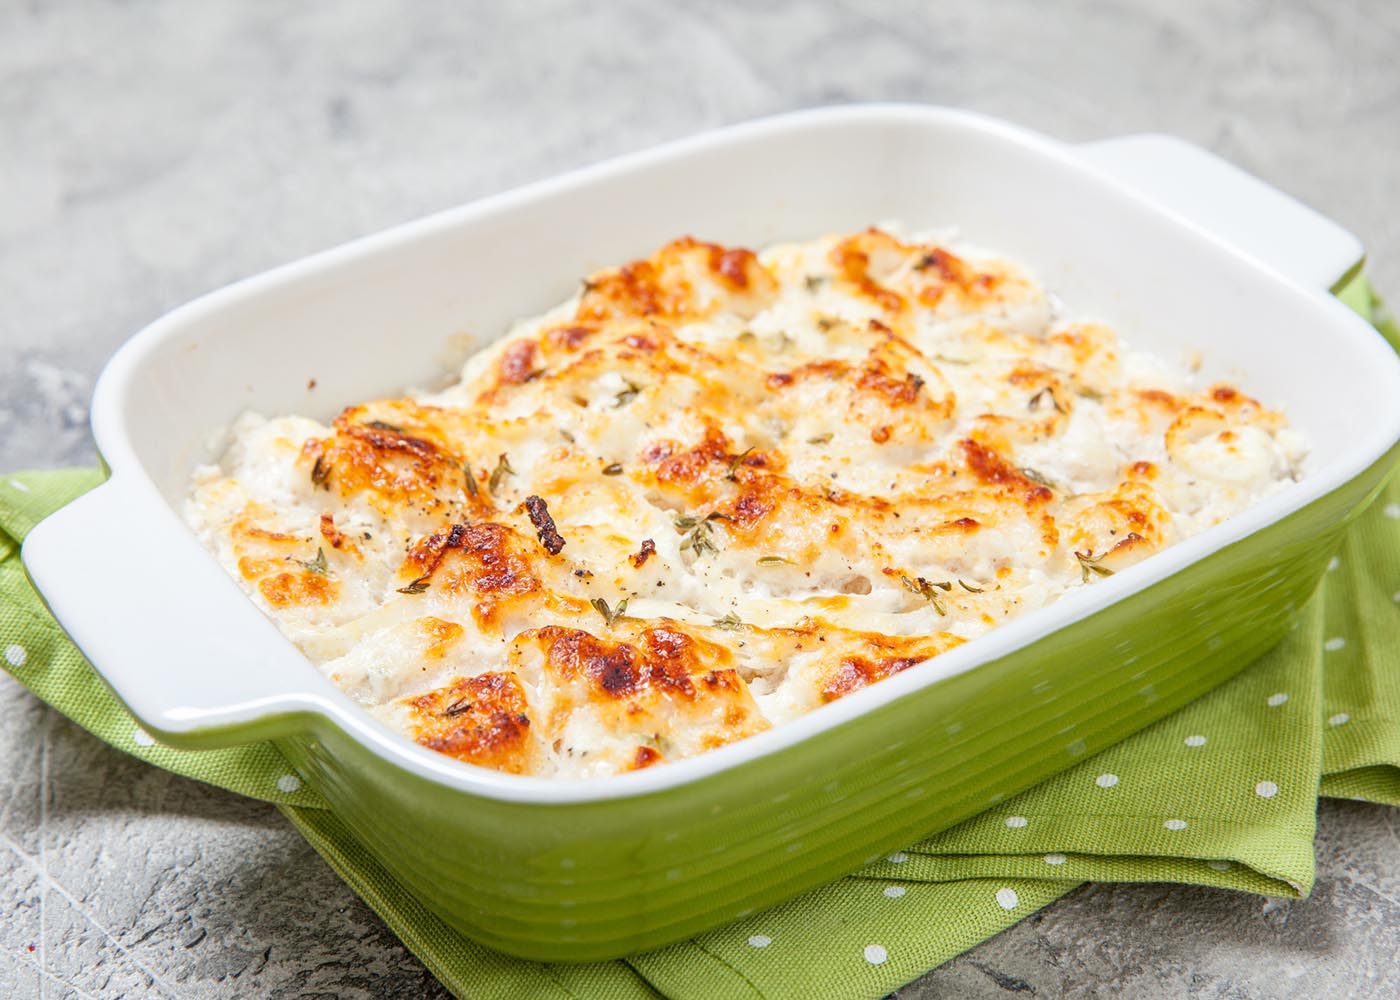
716,490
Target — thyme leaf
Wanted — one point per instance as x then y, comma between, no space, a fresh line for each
735,462
627,395
317,565
700,532
1091,564
1034,403
473,487
1037,477
729,621
501,470
774,561
925,590
320,472
613,470
820,439
969,587
416,587
610,615
383,425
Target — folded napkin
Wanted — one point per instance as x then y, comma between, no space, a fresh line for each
1222,793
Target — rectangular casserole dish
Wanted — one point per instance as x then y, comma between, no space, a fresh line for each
1173,247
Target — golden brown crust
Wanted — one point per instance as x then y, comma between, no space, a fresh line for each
486,563
681,281
481,720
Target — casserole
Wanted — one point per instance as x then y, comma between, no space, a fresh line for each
584,871
716,490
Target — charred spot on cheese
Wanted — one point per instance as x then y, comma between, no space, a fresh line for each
665,686
755,456
855,672
879,657
336,538
614,669
647,550
549,536
993,469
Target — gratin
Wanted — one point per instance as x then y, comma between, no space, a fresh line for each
717,489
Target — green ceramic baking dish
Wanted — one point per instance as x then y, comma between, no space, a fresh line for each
1175,248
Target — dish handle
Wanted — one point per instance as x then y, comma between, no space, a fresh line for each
1232,206
127,581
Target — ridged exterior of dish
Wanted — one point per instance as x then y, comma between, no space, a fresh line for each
598,880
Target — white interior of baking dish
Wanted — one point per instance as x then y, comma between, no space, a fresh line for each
394,310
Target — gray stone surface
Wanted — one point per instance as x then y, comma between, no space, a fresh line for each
153,151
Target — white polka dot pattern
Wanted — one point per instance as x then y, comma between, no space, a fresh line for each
895,891
1175,824
1007,899
1055,859
1016,822
16,655
759,941
1106,780
1275,700
1195,741
876,954
1266,789
1340,719
288,783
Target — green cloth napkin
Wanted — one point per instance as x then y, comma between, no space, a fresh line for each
1222,793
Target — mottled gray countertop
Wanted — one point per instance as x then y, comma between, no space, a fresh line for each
153,151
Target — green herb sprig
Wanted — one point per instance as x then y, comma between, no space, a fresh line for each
610,615
499,473
1089,565
928,591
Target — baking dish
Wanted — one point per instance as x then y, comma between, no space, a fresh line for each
1175,248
